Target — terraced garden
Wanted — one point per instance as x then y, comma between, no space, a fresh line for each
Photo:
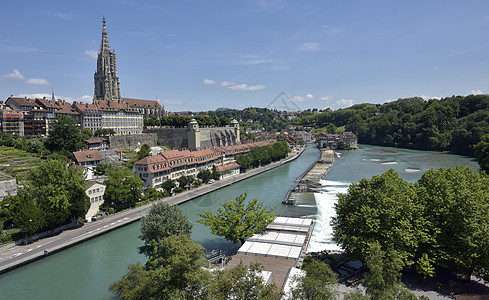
16,162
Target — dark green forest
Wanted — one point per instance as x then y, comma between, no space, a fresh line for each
453,124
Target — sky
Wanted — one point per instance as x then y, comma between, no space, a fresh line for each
203,54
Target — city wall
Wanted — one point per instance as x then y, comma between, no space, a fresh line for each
119,142
173,138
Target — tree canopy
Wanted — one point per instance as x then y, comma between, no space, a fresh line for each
162,221
237,220
441,220
64,136
317,283
123,189
53,194
481,151
173,272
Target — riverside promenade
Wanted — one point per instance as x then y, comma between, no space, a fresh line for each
13,256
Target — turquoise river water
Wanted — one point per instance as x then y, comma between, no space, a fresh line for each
85,271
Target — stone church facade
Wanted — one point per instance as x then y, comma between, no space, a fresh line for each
124,115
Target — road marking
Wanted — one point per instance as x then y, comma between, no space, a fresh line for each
28,250
18,254
106,226
112,223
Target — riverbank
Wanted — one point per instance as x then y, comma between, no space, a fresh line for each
12,256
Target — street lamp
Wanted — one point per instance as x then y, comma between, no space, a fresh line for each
25,234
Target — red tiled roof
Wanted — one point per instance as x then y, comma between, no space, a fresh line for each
140,103
83,107
164,160
87,155
23,101
95,140
227,167
112,105
64,107
46,103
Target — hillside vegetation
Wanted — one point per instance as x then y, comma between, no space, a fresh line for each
453,124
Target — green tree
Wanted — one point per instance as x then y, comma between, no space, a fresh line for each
168,185
457,209
317,283
174,272
385,209
481,151
424,267
241,282
383,278
184,181
162,221
204,175
237,220
101,168
59,191
27,214
64,136
151,194
86,134
144,151
54,191
214,174
104,132
123,189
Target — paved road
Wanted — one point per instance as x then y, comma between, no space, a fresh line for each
12,256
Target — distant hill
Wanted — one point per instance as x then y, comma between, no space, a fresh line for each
453,124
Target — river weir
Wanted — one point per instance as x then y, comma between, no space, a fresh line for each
86,270
309,180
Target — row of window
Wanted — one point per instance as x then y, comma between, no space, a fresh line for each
97,190
96,199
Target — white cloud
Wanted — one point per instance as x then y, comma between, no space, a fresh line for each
84,98
326,98
428,98
227,83
245,87
436,68
14,75
170,101
92,53
37,81
309,46
309,96
35,95
208,81
345,102
476,92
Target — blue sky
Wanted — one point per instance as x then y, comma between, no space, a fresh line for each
201,55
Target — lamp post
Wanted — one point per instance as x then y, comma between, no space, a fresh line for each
25,234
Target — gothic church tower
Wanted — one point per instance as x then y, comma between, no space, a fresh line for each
106,81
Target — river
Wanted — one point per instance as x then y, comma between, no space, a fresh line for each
85,271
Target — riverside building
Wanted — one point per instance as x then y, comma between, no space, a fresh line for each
154,170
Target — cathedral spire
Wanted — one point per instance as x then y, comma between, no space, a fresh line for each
106,80
104,44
